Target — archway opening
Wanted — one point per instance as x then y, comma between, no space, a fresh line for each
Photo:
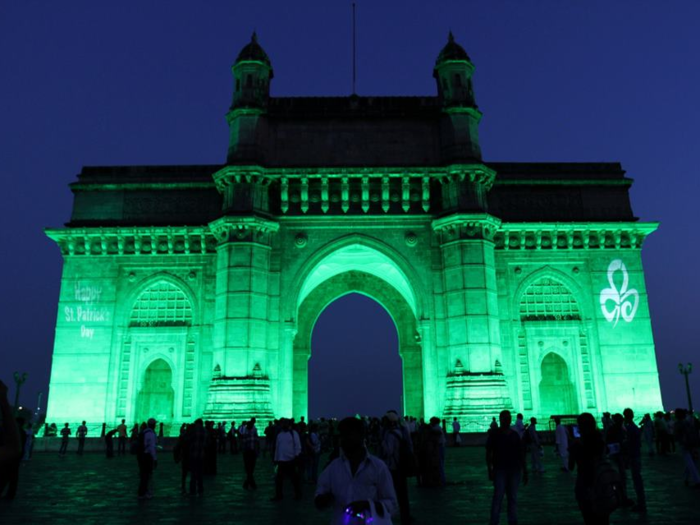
355,366
156,397
557,393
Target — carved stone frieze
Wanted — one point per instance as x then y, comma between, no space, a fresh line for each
572,236
134,241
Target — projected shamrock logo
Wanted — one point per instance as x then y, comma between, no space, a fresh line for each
624,302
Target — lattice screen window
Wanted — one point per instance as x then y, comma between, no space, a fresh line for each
548,300
162,304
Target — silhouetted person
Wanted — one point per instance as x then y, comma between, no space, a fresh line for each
65,434
505,461
356,480
233,438
313,445
134,438
456,427
585,454
28,442
661,430
287,451
222,438
394,445
648,433
616,441
10,445
687,435
607,423
437,432
121,440
634,459
270,436
250,447
146,456
210,451
519,426
431,441
181,455
671,437
109,442
533,438
561,438
80,434
197,441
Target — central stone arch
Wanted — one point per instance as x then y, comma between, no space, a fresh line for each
361,264
399,309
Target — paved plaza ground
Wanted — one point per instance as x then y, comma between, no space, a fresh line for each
93,489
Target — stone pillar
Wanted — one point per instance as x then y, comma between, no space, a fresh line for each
293,390
431,398
471,314
241,323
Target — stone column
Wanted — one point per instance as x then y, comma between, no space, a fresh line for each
241,322
475,385
431,399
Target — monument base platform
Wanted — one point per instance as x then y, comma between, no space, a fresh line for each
239,399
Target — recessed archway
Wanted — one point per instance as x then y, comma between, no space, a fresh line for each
156,397
355,367
557,392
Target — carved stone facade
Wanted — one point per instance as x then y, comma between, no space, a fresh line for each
193,290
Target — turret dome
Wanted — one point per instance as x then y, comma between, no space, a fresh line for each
253,52
452,51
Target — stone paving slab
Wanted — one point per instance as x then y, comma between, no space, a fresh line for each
93,489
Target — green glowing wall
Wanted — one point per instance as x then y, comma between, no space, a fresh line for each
472,317
492,312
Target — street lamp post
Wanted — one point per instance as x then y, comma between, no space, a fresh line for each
686,370
38,402
19,380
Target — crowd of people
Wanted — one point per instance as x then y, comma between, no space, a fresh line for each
361,466
601,458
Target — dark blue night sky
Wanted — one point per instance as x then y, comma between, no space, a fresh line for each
92,83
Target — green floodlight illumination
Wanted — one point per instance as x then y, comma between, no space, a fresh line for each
359,258
214,317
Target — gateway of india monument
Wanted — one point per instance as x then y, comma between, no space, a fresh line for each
192,291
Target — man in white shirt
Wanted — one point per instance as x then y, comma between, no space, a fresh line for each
356,481
287,452
562,440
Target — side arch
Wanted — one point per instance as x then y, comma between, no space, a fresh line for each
132,363
156,395
557,275
150,281
575,331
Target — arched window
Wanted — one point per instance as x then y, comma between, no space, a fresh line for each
548,300
162,304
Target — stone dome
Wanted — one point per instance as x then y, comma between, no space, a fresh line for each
253,51
452,51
